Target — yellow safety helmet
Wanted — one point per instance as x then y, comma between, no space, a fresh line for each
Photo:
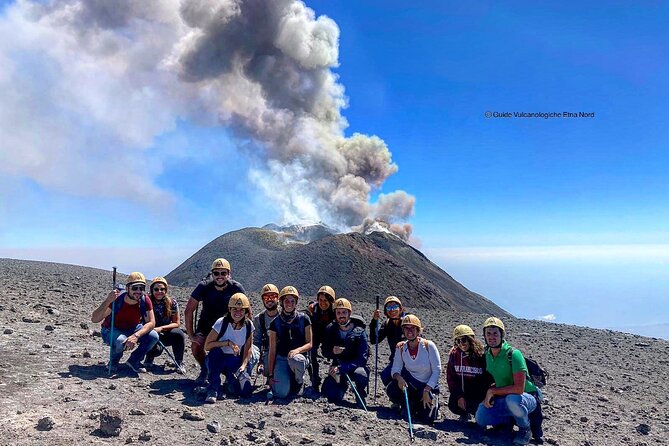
412,319
494,322
239,300
159,279
135,277
220,264
328,291
289,290
343,303
463,330
390,299
269,288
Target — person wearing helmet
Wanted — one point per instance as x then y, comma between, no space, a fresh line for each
215,295
391,330
262,321
229,350
289,346
133,322
466,374
416,367
512,396
166,314
321,315
346,344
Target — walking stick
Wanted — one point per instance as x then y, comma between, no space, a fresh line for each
406,400
111,329
356,392
376,356
174,360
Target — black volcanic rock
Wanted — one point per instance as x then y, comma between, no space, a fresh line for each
357,266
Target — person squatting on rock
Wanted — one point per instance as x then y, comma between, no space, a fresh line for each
229,350
391,330
215,296
466,373
261,322
321,315
417,367
133,322
512,397
289,346
166,315
346,344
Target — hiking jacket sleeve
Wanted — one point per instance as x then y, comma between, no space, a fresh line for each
358,352
452,378
372,331
398,361
328,338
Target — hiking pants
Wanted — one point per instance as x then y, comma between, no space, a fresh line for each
144,344
471,404
254,359
507,408
228,364
385,374
287,371
415,393
175,338
334,391
314,372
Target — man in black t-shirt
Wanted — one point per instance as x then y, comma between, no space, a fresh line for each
289,346
215,296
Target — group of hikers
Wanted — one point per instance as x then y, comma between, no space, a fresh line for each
282,344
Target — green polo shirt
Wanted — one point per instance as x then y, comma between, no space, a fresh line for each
502,369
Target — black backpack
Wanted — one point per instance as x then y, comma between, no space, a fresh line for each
249,329
535,373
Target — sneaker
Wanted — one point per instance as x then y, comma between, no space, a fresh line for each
523,436
180,368
464,418
136,367
148,361
299,390
211,397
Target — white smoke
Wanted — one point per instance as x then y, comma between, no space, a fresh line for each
107,78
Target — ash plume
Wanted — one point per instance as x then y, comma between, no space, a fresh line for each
125,72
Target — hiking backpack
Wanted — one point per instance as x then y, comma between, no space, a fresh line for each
535,373
120,300
224,327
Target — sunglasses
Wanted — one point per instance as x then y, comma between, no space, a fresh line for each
138,288
463,340
392,307
159,290
220,273
270,296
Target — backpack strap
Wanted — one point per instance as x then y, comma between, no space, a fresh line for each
224,328
120,300
264,338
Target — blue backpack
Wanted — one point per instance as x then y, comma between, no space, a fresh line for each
120,300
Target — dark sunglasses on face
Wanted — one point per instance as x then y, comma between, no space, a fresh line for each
392,307
461,340
269,296
220,273
159,290
137,288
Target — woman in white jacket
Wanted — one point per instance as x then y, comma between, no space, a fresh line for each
416,367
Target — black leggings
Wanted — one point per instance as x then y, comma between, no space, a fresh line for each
175,338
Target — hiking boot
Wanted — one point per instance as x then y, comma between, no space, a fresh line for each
136,366
299,390
523,436
201,378
211,397
180,368
464,418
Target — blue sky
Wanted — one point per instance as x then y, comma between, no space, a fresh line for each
562,216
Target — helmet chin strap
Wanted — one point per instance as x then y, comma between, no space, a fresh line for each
344,324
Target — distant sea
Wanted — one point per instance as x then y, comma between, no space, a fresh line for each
652,331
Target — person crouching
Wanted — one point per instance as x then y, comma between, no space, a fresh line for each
416,368
229,350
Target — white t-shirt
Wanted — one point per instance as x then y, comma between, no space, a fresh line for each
236,336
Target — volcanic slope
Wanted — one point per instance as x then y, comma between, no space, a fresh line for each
357,266
606,388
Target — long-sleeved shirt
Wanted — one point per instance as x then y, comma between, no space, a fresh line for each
425,367
388,330
466,374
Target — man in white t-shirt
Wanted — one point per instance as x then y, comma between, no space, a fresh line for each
229,350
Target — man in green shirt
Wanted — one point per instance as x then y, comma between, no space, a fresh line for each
510,397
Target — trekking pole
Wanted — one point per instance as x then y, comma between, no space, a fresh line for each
406,400
376,356
356,392
111,329
174,360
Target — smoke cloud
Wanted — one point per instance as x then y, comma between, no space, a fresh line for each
107,78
